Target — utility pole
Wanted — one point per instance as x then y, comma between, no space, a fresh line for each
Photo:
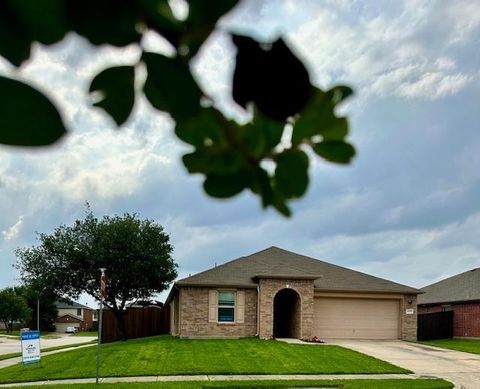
38,313
102,296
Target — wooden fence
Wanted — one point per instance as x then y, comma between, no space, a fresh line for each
438,325
139,323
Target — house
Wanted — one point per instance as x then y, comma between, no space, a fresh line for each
278,293
460,294
72,314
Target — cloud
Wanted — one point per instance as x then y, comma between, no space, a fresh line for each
13,231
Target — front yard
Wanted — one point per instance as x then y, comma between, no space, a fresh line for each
466,345
166,355
342,384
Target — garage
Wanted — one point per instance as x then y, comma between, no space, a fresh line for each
356,318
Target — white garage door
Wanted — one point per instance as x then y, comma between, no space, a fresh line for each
62,327
349,318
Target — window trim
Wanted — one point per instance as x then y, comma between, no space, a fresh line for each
234,306
79,310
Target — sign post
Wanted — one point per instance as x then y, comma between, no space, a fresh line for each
30,346
103,294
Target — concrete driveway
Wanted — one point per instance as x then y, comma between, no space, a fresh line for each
463,369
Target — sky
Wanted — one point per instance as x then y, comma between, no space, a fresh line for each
407,208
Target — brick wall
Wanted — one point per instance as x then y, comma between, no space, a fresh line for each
466,318
194,315
268,290
409,321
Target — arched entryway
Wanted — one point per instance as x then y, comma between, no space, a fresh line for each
286,314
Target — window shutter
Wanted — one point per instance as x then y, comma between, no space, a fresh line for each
212,306
240,306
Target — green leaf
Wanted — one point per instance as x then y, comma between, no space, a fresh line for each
213,160
291,174
202,18
319,118
261,135
203,129
339,93
226,185
335,151
14,39
44,20
160,18
27,118
117,87
105,22
170,86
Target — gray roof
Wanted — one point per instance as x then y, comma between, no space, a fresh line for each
461,287
278,263
70,305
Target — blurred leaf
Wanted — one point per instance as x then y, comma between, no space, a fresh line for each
27,118
339,93
117,86
226,185
170,86
202,18
14,39
160,18
213,160
291,174
202,130
275,79
263,133
319,118
335,151
107,21
44,20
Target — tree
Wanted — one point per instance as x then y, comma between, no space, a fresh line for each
288,114
13,308
37,296
136,254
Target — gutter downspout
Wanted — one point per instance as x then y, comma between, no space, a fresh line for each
258,311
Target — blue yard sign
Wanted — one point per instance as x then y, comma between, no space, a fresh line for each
30,346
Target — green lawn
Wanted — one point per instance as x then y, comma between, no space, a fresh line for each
14,355
166,355
343,384
467,345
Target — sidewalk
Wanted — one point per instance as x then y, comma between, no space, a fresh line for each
217,378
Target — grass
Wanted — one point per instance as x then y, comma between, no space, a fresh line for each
14,355
87,333
466,345
343,384
166,355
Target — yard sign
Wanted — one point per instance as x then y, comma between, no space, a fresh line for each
30,346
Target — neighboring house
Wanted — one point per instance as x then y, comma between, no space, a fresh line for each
277,293
460,294
72,314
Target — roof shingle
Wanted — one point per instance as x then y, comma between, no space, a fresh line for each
277,262
461,287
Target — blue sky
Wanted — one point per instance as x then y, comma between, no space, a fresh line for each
407,208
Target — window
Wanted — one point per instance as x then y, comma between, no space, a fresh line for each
79,312
446,307
226,307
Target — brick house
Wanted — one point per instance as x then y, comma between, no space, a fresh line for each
72,314
278,293
460,294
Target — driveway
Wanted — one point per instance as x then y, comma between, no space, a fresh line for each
463,369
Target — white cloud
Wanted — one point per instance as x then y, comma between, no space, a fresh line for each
13,231
434,85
